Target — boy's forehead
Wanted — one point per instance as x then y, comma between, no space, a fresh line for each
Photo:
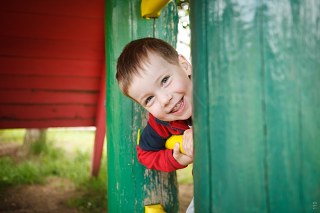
148,62
152,59
149,58
141,68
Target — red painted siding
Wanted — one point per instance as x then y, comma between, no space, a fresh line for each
51,60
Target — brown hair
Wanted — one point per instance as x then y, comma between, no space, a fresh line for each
135,54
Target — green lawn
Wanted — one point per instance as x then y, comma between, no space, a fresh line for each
67,155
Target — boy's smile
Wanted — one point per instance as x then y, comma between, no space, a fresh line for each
164,89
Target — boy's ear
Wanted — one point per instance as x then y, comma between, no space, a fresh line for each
187,67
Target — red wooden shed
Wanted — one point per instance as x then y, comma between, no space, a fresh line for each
52,66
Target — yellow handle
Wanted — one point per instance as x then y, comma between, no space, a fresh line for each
173,140
152,8
156,208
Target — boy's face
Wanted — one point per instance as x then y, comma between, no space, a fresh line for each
164,89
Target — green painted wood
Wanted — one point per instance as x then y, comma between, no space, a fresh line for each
292,76
230,39
256,105
130,185
201,173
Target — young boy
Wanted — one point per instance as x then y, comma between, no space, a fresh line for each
152,73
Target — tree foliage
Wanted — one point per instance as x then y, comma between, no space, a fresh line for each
184,11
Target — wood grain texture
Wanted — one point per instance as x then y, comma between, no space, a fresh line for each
51,57
130,185
256,117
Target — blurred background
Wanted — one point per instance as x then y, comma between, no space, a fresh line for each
59,169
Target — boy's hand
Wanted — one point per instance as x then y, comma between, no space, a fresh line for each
187,142
181,158
187,145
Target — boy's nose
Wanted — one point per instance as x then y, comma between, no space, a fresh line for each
165,99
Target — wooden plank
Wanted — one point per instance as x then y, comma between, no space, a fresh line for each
30,82
282,111
49,48
229,165
307,62
46,123
58,67
46,97
52,53
100,134
130,185
260,112
292,83
42,26
80,8
200,117
51,111
120,116
310,120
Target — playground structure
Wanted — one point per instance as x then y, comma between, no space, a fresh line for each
256,107
256,104
52,66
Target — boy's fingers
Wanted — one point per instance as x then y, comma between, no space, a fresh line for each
176,148
181,158
176,151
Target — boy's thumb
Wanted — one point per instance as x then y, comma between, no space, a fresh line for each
176,148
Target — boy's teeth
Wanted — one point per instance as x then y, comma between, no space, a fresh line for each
176,107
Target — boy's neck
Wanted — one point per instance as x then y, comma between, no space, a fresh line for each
189,121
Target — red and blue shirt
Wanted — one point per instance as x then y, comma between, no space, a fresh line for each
151,149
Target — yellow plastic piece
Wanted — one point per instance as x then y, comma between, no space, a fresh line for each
173,140
152,8
156,208
138,137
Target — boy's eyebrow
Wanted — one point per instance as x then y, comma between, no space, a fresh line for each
143,98
158,78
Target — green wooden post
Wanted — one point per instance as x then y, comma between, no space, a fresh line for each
130,185
256,105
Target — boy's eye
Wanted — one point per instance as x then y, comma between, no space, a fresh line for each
148,100
165,80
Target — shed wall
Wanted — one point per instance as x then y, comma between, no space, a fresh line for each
51,62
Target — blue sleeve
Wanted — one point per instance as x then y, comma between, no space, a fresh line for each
150,140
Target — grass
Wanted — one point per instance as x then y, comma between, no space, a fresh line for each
12,135
184,176
67,154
